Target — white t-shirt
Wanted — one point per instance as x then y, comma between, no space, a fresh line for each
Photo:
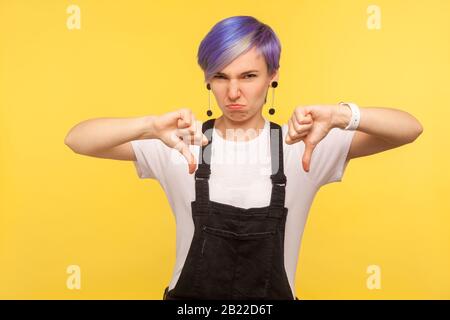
240,177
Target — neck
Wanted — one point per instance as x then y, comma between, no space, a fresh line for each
232,130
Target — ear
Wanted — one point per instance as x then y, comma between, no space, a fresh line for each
275,76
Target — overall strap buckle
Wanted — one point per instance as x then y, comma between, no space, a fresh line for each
278,179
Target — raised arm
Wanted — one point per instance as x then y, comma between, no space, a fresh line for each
110,137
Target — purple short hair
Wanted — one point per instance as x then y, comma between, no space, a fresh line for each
233,36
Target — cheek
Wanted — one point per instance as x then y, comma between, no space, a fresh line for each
218,94
254,90
261,93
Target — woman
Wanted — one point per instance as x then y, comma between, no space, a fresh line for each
240,223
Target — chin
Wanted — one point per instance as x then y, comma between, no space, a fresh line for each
237,116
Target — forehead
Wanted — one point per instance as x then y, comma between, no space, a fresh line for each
251,60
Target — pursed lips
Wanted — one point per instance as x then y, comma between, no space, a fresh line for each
235,106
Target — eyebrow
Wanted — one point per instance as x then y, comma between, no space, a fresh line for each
250,71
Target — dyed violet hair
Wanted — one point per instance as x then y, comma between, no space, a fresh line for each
233,36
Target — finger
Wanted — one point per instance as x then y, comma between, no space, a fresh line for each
193,134
307,154
288,139
198,138
192,130
297,132
302,119
183,148
303,114
291,129
185,132
301,129
201,138
205,140
184,119
297,139
193,122
292,134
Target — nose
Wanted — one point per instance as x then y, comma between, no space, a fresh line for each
233,91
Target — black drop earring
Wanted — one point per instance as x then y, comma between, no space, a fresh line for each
209,112
274,84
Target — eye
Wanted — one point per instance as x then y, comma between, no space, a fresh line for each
248,75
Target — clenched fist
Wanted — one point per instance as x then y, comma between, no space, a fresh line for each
310,124
177,130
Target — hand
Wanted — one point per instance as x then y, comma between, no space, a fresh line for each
310,124
177,130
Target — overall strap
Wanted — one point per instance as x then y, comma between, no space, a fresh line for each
278,177
204,169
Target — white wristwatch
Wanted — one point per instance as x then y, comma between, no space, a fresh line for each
356,115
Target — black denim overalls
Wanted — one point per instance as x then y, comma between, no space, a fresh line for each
236,253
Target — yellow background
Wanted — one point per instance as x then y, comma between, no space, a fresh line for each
132,58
